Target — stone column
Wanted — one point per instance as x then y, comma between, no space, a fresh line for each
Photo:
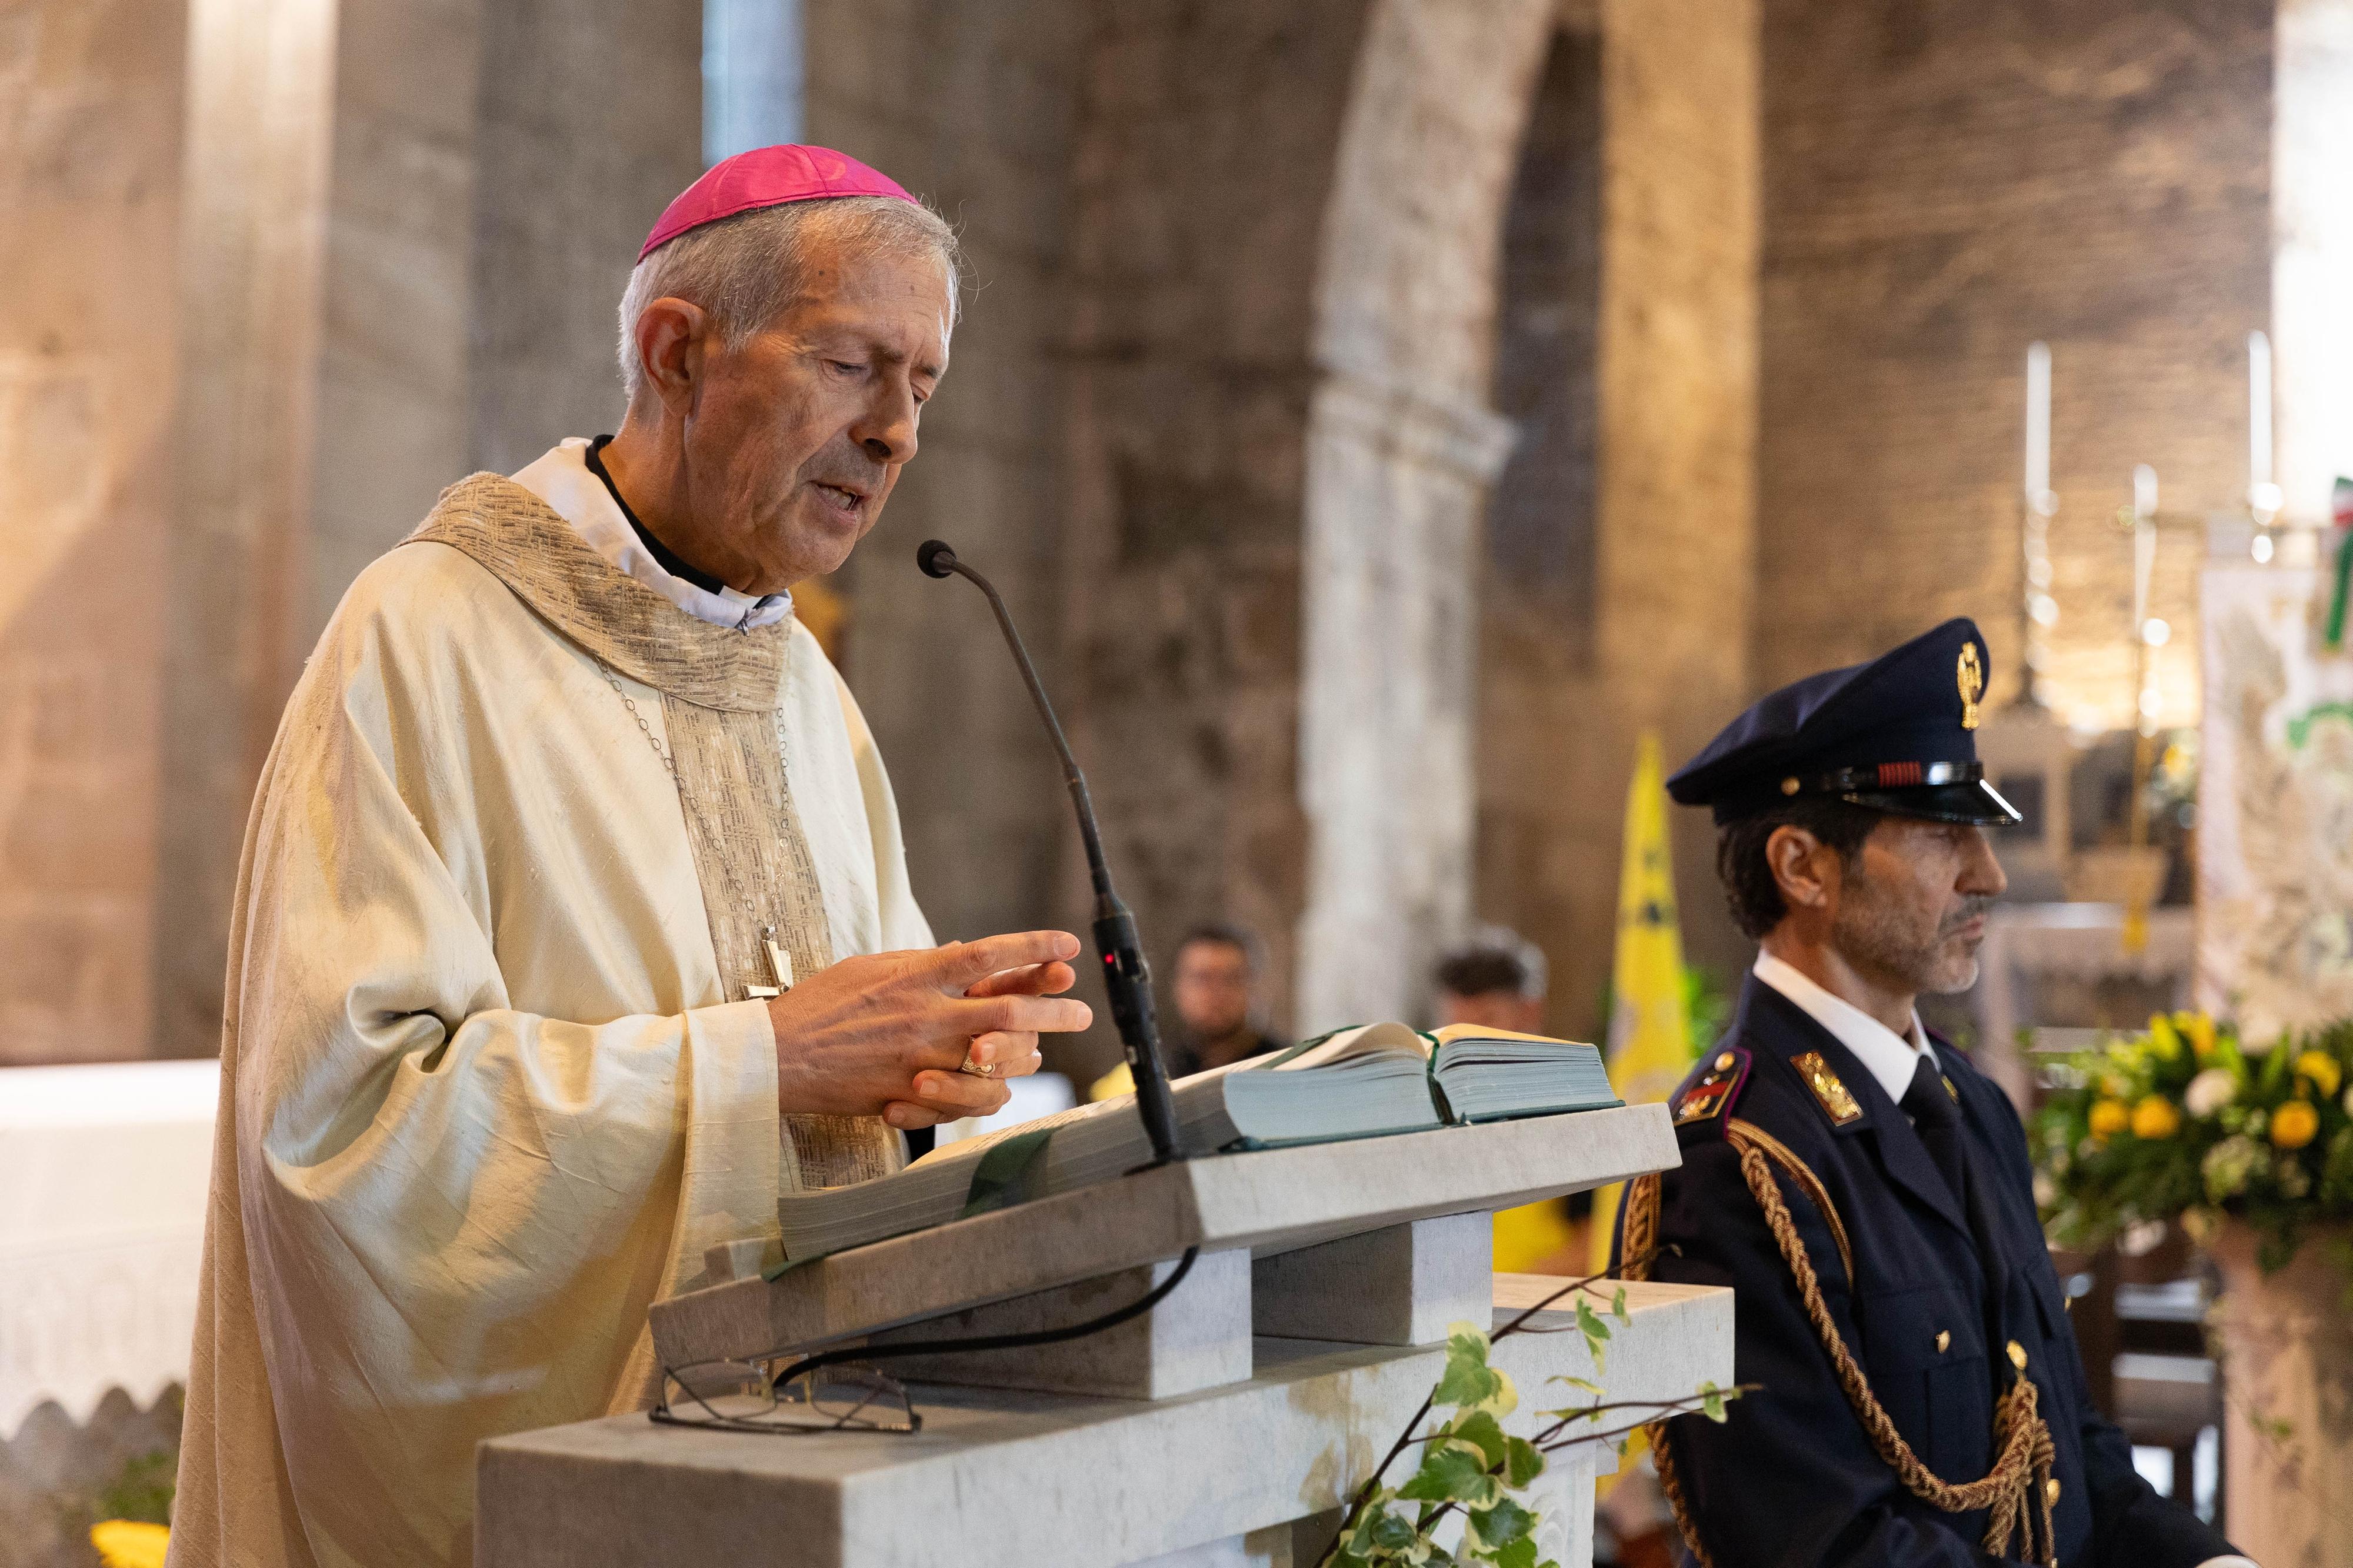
89,158
1401,450
407,226
261,106
392,371
1397,485
590,119
1676,549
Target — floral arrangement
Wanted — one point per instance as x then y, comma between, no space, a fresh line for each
2187,1122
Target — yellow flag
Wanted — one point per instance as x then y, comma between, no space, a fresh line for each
1649,1026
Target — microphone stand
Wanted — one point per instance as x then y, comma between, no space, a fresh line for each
1126,975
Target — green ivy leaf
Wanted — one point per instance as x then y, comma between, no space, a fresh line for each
1582,1386
1596,1331
1520,1553
1468,1379
1710,1401
1523,1462
1451,1472
1618,1306
1391,1533
1500,1525
1483,1431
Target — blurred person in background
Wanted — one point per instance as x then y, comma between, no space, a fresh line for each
1220,1015
1496,981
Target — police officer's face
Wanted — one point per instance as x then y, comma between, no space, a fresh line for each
1912,906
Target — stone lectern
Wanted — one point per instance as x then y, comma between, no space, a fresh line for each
1227,1425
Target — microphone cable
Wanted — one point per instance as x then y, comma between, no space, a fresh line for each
1111,1320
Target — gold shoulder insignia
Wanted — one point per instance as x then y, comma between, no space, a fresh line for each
1836,1101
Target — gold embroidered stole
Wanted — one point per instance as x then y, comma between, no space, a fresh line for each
722,695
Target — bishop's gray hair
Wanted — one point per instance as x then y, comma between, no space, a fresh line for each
745,269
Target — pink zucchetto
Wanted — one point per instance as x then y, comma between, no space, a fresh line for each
768,177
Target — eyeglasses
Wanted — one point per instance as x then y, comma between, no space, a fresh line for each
743,1396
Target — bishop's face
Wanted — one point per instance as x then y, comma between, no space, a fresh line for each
797,439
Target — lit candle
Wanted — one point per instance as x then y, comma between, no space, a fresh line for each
2038,423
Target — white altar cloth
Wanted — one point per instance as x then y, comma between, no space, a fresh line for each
103,1172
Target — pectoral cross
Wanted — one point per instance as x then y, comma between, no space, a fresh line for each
780,968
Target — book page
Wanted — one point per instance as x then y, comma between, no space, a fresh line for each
1358,1040
975,1147
1453,1032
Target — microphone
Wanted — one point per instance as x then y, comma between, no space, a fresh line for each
1126,975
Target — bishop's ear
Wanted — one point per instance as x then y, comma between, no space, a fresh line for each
671,335
1805,868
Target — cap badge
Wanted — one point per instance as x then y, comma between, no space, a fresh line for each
1970,678
1834,1095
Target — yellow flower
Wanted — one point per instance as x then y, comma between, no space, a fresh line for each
2321,1069
2199,1027
2109,1116
2294,1124
126,1544
2162,1038
2155,1117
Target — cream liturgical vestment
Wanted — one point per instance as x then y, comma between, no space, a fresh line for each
491,1077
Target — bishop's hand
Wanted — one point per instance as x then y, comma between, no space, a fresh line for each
886,1034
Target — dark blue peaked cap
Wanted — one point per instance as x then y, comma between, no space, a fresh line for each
1896,734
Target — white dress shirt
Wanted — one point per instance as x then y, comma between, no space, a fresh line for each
1889,1057
561,478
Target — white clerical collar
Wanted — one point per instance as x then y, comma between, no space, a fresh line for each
562,479
1888,1057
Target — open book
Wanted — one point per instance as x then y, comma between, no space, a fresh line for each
1361,1082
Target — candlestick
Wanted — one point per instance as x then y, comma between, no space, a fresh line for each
2259,412
2038,425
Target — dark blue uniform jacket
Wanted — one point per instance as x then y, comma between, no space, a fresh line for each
1793,1479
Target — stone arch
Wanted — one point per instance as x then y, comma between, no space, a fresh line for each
1402,448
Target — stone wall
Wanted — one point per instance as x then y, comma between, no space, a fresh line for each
1205,146
89,167
1669,505
588,121
971,107
1944,183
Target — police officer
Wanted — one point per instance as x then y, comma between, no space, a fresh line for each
1864,1190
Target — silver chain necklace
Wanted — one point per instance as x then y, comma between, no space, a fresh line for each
780,963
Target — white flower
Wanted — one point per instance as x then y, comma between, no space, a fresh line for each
2227,1166
2209,1092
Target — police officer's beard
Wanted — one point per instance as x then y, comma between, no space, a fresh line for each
1880,936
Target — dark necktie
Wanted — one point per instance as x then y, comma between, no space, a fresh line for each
1936,1117
1938,1121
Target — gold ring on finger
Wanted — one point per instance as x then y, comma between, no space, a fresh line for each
978,1069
